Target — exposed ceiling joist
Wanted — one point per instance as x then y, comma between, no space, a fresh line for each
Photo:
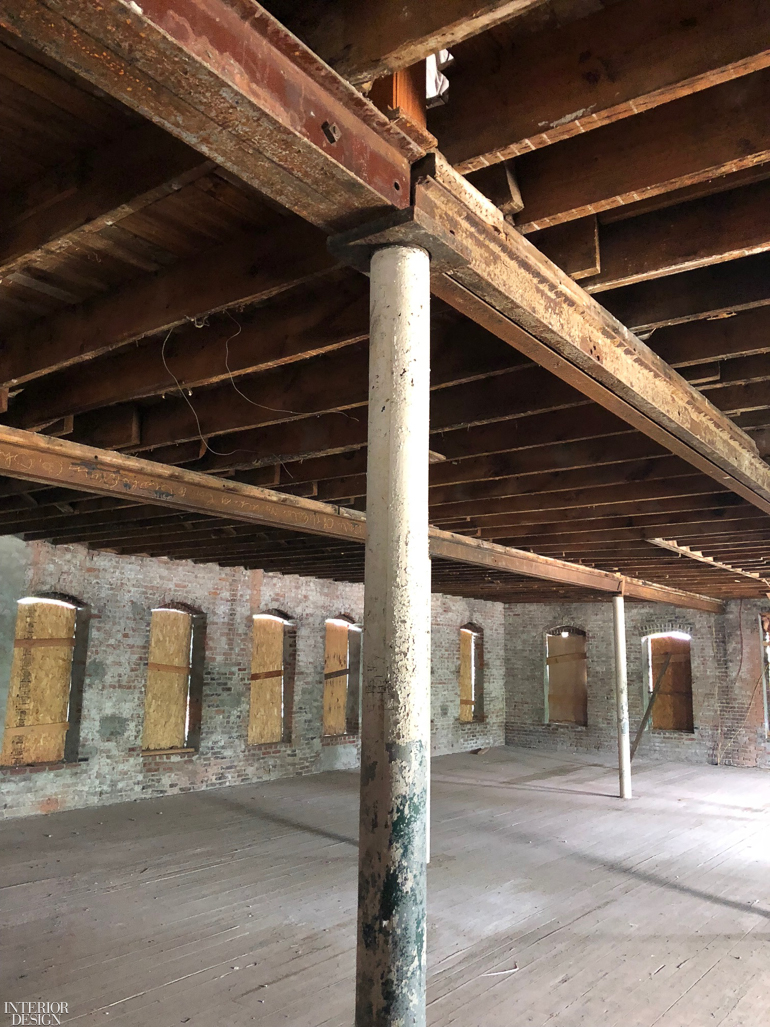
718,131
544,88
364,44
234,84
494,276
90,193
55,461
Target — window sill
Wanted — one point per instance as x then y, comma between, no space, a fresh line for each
12,770
661,732
563,724
346,739
152,753
470,723
269,747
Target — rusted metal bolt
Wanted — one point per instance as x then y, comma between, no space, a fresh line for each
331,131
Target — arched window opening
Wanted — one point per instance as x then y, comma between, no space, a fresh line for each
566,677
342,677
471,673
174,691
45,698
272,678
669,681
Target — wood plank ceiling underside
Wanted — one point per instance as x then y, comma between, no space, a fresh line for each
153,304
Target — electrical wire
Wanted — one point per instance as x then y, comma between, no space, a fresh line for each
187,400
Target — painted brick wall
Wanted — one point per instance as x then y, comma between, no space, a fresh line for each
728,690
121,593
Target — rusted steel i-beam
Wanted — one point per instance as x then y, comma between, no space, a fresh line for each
487,271
40,458
230,81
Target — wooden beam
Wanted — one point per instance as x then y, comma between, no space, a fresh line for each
95,190
498,183
338,381
365,44
544,88
702,136
33,457
572,246
569,490
252,267
447,546
547,538
693,295
495,276
705,231
230,81
745,334
55,461
322,317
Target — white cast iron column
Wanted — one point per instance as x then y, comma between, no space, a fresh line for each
621,697
395,723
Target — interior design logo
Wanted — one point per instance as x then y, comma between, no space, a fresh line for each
35,1013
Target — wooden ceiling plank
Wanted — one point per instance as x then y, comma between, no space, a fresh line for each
56,461
230,81
717,132
716,502
325,316
309,388
573,246
550,86
549,540
678,521
250,268
514,491
707,292
93,192
745,334
394,34
696,234
493,275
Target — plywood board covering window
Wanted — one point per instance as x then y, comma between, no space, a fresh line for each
266,709
471,682
41,673
567,679
168,681
672,710
336,677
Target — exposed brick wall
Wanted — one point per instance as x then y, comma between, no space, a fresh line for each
121,593
742,739
449,733
728,703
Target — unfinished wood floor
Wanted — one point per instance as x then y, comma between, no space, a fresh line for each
237,906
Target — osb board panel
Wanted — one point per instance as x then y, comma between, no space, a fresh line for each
36,717
673,706
466,675
168,676
567,680
266,707
335,679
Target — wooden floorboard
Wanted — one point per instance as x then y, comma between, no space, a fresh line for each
551,902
